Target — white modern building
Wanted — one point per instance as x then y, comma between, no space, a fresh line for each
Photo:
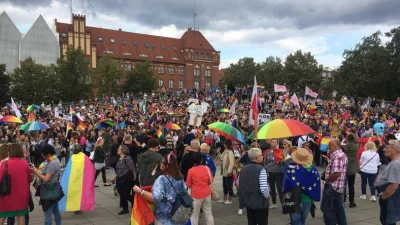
39,43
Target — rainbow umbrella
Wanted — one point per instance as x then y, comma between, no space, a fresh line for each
281,128
104,123
172,126
11,119
32,107
227,131
251,135
170,112
223,110
35,125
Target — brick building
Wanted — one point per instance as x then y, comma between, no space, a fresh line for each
187,62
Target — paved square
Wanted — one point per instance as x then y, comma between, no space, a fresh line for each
366,212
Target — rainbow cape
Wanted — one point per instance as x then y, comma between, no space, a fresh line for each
142,212
324,144
77,183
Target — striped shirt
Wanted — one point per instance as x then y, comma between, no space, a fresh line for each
264,183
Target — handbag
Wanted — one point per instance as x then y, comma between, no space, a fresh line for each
182,208
214,194
292,201
5,184
51,191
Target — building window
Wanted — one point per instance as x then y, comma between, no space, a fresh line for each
206,56
175,58
175,49
162,46
196,70
112,41
124,42
181,71
128,67
101,39
171,70
159,57
196,84
63,35
201,55
146,45
171,84
135,43
208,72
195,55
208,85
108,52
153,46
180,84
126,53
160,69
160,82
143,55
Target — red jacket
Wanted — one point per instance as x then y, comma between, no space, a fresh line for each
20,173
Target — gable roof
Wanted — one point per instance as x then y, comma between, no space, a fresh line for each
194,39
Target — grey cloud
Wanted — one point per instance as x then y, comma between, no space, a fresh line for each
28,3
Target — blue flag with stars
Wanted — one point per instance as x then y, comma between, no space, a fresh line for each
307,178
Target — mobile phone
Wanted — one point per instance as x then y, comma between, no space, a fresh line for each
30,165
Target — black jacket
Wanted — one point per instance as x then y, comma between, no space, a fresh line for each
99,155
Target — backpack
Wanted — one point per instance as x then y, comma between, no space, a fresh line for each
182,208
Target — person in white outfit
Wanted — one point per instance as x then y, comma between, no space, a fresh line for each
369,163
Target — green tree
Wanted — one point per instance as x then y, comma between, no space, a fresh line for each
74,75
34,83
393,46
241,73
301,70
4,86
367,71
270,72
107,75
141,79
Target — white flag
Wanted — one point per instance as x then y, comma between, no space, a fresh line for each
279,88
15,108
295,100
310,93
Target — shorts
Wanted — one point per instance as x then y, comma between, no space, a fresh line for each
13,213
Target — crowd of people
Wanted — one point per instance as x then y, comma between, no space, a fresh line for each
142,153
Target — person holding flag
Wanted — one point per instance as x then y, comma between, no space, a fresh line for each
302,174
253,116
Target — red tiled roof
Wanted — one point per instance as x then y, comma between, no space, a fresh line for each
190,39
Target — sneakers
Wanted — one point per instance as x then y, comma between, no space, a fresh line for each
240,212
221,201
363,197
273,206
373,198
228,202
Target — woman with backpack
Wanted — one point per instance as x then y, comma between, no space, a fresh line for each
164,193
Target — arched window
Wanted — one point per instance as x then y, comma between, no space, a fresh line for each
171,83
208,71
181,84
196,70
208,85
196,84
160,82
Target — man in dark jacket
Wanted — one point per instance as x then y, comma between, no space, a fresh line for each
163,149
254,192
188,160
149,164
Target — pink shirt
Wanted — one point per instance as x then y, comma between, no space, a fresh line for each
199,181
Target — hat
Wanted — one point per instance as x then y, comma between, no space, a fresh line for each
302,156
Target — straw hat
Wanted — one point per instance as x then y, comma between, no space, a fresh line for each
302,156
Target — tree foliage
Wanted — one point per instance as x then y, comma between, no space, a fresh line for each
34,83
270,72
4,85
241,73
107,75
141,79
74,75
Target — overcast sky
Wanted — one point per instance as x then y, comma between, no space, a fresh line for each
237,28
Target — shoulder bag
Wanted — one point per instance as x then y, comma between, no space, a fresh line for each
214,194
367,162
51,191
5,184
182,208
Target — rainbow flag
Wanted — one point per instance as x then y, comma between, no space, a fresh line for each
325,123
31,117
69,127
77,183
324,144
390,125
287,101
153,118
142,212
76,120
159,134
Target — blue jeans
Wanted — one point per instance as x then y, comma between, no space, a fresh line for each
300,218
332,206
370,178
48,215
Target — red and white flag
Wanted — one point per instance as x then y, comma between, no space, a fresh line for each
253,118
279,88
295,100
310,93
15,109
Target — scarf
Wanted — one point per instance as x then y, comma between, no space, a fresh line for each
45,163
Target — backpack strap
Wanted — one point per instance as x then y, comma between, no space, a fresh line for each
171,184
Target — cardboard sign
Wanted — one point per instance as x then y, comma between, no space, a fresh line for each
196,109
263,118
193,100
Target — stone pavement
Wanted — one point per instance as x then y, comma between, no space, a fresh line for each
366,212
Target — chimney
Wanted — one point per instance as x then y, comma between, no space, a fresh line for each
189,29
120,29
